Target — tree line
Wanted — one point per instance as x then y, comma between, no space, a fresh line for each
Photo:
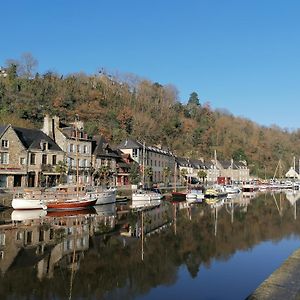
125,105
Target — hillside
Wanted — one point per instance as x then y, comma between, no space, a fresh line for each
123,106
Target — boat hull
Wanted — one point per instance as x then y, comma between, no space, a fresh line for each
20,203
106,197
71,204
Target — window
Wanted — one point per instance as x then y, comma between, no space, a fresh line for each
85,149
71,148
85,163
2,239
44,146
29,237
5,143
22,161
44,159
32,158
53,160
78,148
4,158
134,152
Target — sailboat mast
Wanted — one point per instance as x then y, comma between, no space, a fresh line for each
77,167
143,164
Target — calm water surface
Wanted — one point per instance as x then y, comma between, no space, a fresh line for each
168,251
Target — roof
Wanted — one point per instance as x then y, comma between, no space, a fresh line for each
2,129
32,138
102,148
134,144
130,144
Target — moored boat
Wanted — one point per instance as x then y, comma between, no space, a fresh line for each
105,196
142,194
72,204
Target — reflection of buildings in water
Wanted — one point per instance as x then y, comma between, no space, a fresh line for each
293,196
48,241
150,220
249,194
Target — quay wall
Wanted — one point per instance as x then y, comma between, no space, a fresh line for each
284,283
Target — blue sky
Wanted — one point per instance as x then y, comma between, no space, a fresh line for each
239,55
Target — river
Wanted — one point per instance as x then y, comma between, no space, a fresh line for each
174,250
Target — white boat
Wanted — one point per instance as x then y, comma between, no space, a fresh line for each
194,196
38,199
149,195
191,197
216,191
232,189
105,196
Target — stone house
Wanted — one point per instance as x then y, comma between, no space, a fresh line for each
233,171
153,159
104,159
27,158
76,144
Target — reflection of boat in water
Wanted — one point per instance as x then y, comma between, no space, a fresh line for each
28,214
215,192
105,209
69,213
179,196
215,202
194,196
145,203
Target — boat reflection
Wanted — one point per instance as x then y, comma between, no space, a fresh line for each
30,214
145,203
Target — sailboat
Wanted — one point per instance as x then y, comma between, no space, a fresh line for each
77,201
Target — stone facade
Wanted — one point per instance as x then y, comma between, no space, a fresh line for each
76,145
28,158
13,159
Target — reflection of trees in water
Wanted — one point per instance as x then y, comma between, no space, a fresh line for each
114,262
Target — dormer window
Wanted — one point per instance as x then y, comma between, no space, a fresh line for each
44,146
5,144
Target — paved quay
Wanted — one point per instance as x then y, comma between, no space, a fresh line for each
283,284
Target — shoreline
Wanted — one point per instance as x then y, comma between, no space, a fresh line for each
283,283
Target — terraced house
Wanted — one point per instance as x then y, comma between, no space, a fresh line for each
27,158
153,159
76,144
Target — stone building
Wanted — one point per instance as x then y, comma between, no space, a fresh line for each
154,160
104,162
76,144
28,157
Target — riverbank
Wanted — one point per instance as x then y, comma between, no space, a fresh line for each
284,283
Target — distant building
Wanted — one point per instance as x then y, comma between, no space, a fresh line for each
292,173
153,158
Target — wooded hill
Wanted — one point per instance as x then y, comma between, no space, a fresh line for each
127,106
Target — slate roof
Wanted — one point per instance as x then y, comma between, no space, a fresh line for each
102,148
130,144
31,139
2,129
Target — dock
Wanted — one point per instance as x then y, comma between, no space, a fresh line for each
284,283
